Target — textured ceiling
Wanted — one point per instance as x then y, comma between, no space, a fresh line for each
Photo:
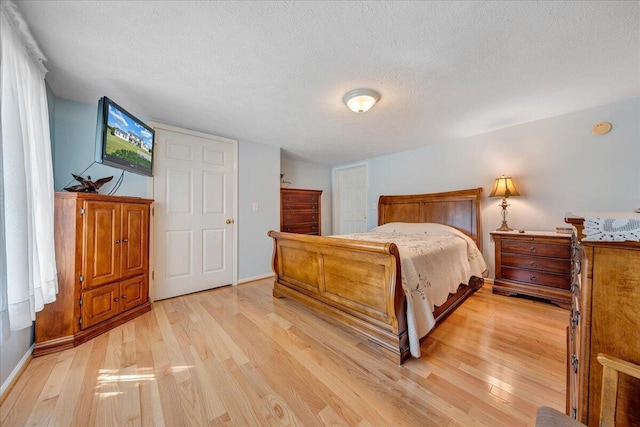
275,72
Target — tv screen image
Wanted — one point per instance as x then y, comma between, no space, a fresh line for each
122,140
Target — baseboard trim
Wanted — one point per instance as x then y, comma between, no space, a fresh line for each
15,375
255,278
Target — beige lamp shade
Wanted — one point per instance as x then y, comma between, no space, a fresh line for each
503,187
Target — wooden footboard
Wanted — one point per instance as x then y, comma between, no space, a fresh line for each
353,283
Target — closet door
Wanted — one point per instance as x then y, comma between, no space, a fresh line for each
195,211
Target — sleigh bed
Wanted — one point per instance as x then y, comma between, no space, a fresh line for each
357,284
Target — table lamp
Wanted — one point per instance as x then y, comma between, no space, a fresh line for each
503,187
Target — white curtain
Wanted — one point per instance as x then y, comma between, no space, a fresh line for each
30,277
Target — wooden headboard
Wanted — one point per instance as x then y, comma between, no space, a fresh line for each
459,209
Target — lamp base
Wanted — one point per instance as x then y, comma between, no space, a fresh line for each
504,227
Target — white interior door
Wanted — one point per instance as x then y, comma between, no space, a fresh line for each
195,204
350,199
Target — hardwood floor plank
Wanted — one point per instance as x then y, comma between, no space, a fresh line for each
236,356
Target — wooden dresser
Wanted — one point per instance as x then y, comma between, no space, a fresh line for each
533,263
604,318
102,257
300,211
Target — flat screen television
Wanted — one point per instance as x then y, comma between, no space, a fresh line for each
123,141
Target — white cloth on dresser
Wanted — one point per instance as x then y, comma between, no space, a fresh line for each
611,229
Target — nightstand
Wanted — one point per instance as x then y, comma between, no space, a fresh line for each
534,263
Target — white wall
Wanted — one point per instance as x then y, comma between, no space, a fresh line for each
557,166
310,176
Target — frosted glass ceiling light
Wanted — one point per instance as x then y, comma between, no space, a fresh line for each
361,100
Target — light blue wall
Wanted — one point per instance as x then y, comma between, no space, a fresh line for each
557,165
258,182
75,133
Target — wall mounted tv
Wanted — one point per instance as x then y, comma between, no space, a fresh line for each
123,141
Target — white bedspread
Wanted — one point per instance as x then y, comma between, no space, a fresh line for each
435,259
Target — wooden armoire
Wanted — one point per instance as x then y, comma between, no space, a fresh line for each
102,257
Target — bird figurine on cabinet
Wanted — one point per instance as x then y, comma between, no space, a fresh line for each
86,185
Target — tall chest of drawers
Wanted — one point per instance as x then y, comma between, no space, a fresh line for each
604,318
300,211
533,263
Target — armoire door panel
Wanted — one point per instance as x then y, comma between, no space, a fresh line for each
101,255
134,245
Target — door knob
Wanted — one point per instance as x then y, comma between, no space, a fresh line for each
230,221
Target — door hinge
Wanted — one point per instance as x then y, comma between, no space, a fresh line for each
81,278
80,301
80,321
153,211
81,211
153,275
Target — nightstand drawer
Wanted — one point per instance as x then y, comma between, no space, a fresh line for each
538,249
551,265
537,278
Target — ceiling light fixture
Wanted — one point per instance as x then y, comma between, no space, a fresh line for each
361,100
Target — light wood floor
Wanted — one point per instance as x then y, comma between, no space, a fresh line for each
237,356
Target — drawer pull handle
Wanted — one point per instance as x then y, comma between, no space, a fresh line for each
116,299
124,296
532,249
313,217
117,241
125,240
575,319
533,264
533,278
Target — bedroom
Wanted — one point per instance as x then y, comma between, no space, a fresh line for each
557,163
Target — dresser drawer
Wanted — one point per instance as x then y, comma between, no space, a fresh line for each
291,218
286,207
299,198
301,228
537,278
551,265
538,249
